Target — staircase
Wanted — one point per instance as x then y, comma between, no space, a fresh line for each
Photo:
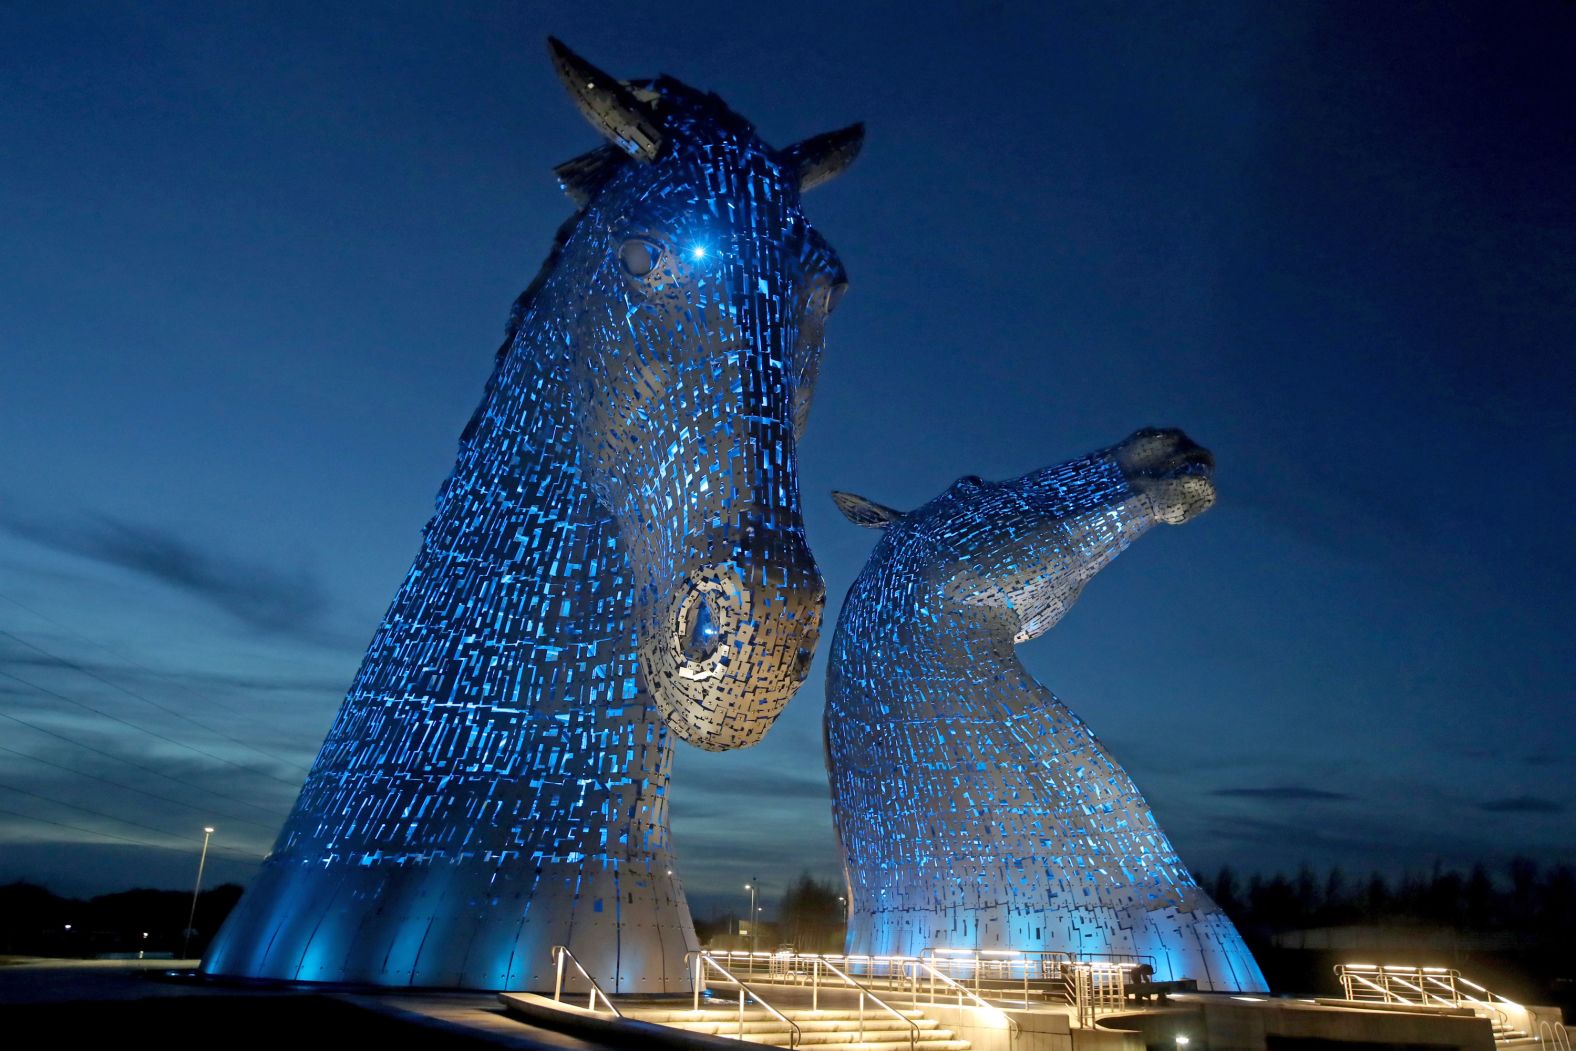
836,1030
1435,987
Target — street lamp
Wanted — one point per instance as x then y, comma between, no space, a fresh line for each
192,918
752,888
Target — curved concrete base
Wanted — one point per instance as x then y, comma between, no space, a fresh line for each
458,925
1201,944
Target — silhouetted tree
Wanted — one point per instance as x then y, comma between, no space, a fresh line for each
812,916
1523,904
1478,899
1225,890
1376,898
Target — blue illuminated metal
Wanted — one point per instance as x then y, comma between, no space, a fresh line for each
973,808
617,560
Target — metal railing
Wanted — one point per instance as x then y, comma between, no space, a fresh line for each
930,972
1556,1038
704,959
562,953
963,991
1421,987
913,1026
994,970
1096,987
816,970
904,979
999,974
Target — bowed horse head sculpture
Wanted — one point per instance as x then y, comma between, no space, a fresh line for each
694,319
617,562
974,810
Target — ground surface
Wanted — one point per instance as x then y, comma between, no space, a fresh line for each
77,1001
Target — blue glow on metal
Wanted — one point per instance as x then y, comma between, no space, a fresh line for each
498,772
973,808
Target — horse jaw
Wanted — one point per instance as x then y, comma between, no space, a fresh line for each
731,643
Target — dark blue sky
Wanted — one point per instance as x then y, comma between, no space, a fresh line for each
256,263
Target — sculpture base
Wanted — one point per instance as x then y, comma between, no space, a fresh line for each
1198,944
459,925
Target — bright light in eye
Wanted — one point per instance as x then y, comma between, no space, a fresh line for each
698,252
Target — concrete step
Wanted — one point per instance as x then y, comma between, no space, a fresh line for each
730,1026
825,1041
896,1045
927,1037
829,1030
673,1016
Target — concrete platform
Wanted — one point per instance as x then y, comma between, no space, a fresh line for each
108,1002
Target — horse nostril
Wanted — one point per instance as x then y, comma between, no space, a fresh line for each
700,637
801,664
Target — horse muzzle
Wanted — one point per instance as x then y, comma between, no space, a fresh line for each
733,642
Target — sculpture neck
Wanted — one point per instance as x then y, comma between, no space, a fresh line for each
515,495
929,640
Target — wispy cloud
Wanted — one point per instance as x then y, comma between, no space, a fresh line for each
186,679
259,596
1522,805
1281,792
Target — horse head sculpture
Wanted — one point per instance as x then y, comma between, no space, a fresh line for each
974,810
695,306
616,562
695,297
1024,548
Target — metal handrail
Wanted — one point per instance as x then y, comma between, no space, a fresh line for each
794,1036
1418,987
1092,988
913,1026
996,968
947,979
963,990
561,953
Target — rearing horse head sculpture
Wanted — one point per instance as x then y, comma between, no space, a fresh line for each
974,809
700,296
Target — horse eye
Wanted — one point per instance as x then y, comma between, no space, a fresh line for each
639,256
834,295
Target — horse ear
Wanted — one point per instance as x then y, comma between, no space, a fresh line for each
864,512
609,105
582,176
822,158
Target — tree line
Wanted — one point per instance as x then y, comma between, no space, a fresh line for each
35,922
1523,898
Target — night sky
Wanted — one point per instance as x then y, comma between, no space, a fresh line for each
256,264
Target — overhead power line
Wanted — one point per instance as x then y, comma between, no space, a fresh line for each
163,708
132,763
228,818
140,729
111,817
207,699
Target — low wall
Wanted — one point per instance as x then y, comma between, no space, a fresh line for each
603,1028
1221,1023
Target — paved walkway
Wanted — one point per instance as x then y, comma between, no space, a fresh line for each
113,987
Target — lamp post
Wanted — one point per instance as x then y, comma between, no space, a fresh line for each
202,860
752,888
